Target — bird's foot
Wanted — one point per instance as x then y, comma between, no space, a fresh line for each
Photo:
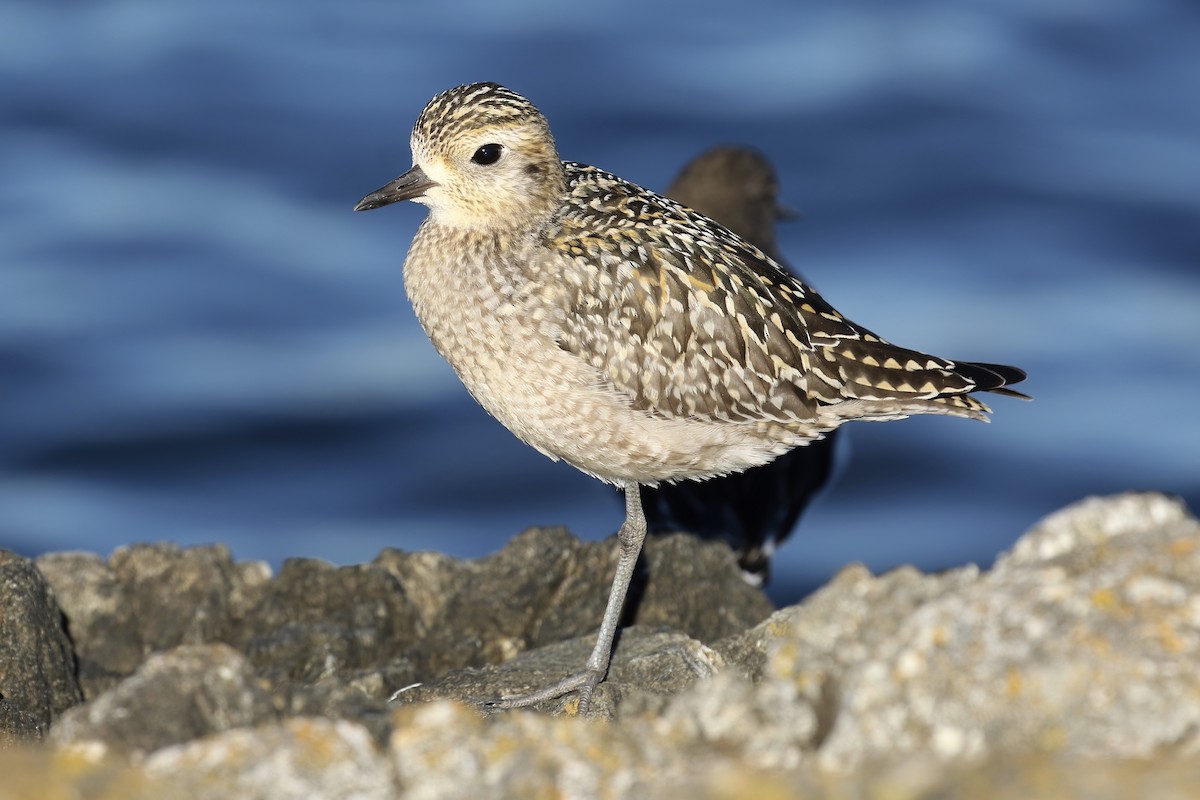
582,682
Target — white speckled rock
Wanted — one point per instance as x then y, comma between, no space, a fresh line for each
298,759
1083,641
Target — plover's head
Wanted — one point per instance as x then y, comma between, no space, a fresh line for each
483,158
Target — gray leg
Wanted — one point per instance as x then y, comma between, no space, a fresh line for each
630,537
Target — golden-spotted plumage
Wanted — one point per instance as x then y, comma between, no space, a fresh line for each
690,320
618,330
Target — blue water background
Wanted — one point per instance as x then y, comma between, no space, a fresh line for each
199,341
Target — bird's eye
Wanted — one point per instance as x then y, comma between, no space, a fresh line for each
488,154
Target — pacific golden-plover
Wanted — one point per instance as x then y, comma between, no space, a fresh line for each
756,509
626,334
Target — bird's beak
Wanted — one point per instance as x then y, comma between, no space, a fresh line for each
409,185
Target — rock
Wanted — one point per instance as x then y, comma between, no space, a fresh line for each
173,697
304,759
443,751
100,618
250,581
148,598
839,624
1067,669
446,750
17,725
488,610
646,662
317,630
1083,641
45,774
37,664
332,640
363,700
764,727
429,579
316,620
546,587
178,596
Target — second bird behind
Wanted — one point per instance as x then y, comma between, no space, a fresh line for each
755,510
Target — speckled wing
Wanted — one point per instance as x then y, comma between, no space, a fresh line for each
689,320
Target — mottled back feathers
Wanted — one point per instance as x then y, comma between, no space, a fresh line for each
690,320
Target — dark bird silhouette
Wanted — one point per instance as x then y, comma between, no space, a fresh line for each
755,510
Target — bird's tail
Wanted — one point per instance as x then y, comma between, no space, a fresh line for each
883,381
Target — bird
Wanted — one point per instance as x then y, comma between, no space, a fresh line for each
755,510
625,334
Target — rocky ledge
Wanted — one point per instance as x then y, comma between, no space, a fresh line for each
1068,668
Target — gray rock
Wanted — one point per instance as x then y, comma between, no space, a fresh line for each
321,635
37,664
148,598
429,579
250,581
173,697
100,618
17,725
317,621
330,640
362,699
647,664
488,610
546,587
177,596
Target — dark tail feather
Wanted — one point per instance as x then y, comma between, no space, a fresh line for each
992,377
1010,393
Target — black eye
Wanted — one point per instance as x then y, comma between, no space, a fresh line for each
488,154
